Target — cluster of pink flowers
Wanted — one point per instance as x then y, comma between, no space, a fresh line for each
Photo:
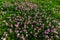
47,31
35,24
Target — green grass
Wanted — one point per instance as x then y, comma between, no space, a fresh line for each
44,5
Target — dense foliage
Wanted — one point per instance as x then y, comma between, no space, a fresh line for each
28,21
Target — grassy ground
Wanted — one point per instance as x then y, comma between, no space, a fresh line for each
49,7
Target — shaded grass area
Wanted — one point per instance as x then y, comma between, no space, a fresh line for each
53,5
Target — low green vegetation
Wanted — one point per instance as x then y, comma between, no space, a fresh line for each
30,20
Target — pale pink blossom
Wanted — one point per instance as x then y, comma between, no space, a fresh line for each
26,35
22,37
49,39
47,31
25,26
58,23
42,26
58,26
4,38
5,34
57,36
34,28
54,30
39,29
16,25
16,31
49,23
11,25
46,36
35,34
10,30
52,26
18,35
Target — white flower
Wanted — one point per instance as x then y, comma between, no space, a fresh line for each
18,35
4,38
26,35
58,23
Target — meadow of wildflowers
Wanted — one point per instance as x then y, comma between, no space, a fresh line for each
29,20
